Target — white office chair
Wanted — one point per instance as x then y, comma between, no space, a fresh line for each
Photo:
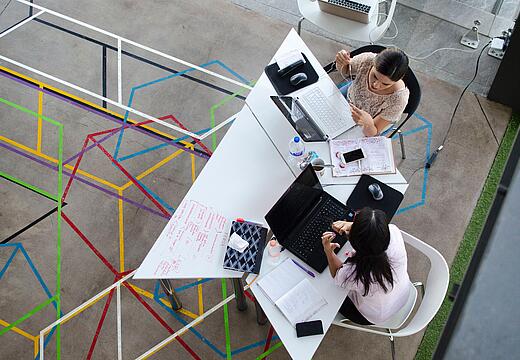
432,297
371,32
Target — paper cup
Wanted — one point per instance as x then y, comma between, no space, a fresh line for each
318,166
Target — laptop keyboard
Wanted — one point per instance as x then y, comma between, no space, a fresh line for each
317,101
309,240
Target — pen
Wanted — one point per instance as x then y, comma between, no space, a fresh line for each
304,269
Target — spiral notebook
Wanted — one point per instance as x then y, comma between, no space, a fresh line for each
250,260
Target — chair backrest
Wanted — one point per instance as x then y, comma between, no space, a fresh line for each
434,292
435,289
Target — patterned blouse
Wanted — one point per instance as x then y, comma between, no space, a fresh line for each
389,106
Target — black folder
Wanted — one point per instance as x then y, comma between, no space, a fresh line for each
282,85
250,260
361,197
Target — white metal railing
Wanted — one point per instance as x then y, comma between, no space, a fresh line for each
120,42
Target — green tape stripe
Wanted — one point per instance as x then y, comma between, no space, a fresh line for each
25,110
58,242
26,316
226,320
29,186
219,104
270,350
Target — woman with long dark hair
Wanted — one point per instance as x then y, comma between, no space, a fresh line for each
375,273
378,95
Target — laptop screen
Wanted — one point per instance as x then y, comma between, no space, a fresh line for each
294,204
305,127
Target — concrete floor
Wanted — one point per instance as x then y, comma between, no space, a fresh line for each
196,31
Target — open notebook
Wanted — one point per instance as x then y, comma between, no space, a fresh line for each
289,288
378,151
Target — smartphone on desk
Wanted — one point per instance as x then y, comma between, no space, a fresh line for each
351,156
309,328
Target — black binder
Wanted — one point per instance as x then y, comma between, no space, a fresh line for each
361,197
250,260
282,85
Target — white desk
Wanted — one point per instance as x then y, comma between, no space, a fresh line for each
235,182
244,177
280,131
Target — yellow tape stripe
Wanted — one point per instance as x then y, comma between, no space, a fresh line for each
96,106
121,234
53,160
18,330
36,346
40,112
167,303
153,168
201,302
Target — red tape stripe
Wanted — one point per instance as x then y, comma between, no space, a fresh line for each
89,244
127,174
100,325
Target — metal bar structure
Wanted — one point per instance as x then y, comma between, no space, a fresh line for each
20,24
120,41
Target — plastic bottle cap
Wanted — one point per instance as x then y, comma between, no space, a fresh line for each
296,139
272,243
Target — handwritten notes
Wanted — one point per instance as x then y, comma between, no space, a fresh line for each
379,157
193,244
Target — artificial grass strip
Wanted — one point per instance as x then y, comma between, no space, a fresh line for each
471,236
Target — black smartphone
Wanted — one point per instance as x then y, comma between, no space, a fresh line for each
309,328
353,155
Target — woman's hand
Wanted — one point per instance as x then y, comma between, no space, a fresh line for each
341,227
342,61
362,118
326,239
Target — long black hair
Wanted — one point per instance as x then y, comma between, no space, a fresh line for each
370,237
392,62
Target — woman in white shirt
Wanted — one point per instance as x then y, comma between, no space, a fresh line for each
375,273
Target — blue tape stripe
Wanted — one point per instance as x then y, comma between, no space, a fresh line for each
409,132
422,202
9,261
232,72
132,92
160,146
37,274
125,120
156,197
252,346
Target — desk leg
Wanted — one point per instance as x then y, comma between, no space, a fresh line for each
239,294
261,318
170,293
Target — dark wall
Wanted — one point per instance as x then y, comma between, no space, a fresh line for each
506,85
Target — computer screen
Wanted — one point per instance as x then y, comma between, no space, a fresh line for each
297,118
294,204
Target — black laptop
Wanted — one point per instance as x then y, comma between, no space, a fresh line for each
302,215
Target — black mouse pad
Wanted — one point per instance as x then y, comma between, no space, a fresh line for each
282,85
361,197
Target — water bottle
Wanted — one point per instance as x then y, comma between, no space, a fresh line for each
274,249
296,151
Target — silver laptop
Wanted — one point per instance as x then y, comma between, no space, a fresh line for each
317,114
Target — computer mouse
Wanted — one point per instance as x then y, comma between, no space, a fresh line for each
376,191
297,78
